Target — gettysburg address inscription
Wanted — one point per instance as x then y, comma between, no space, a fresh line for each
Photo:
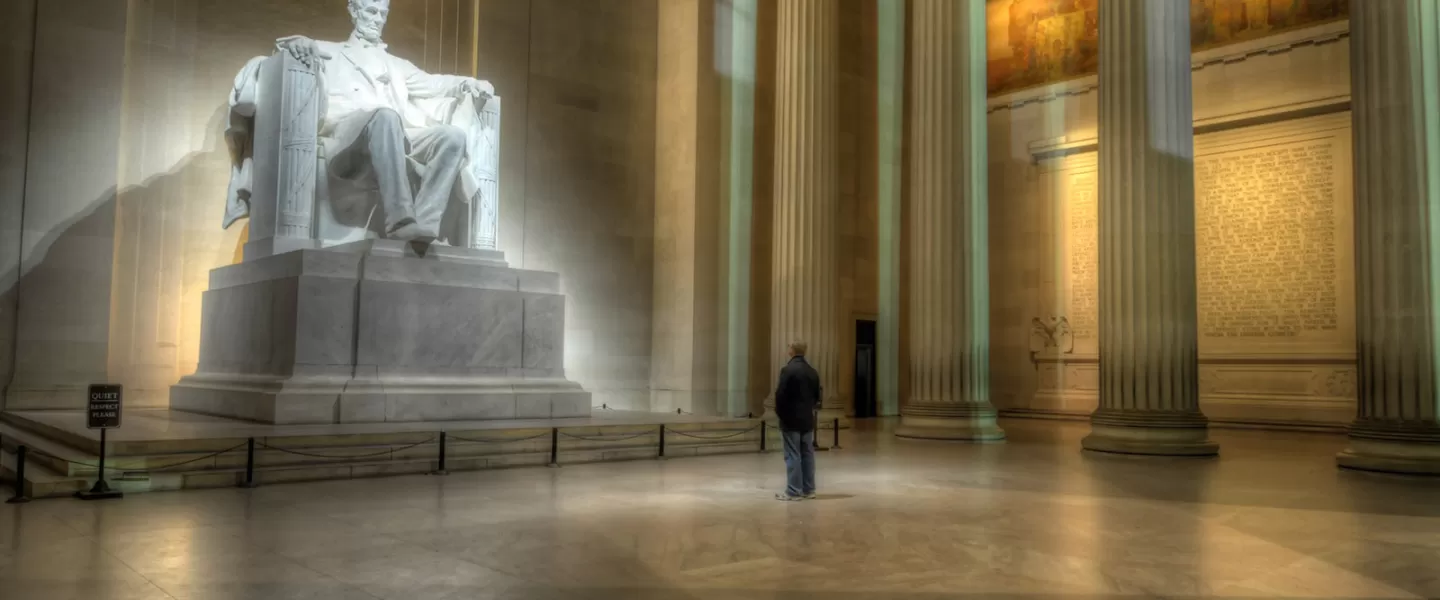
1266,245
1084,256
1265,241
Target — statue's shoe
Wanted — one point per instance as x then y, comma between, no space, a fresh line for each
412,232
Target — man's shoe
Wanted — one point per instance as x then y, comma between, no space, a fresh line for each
787,498
809,496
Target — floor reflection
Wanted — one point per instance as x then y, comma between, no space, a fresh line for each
1032,518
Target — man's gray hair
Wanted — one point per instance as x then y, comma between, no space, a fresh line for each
798,347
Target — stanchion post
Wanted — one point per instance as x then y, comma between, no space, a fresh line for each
554,447
440,466
101,490
836,445
249,464
19,497
763,435
662,442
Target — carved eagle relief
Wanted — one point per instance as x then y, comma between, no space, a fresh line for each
1051,333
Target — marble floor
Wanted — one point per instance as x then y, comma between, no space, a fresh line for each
1033,518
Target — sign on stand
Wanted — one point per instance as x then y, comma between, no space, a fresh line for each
104,406
103,413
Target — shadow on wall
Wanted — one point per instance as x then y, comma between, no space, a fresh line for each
82,318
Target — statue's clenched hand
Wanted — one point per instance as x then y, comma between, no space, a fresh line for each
302,48
477,88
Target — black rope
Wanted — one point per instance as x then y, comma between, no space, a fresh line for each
328,456
498,440
139,471
630,437
712,437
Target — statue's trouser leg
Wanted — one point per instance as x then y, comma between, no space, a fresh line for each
384,140
442,150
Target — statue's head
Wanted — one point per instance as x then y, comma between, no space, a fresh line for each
369,17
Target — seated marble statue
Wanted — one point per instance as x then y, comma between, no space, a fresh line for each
386,129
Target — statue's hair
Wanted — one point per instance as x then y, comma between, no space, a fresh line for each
357,3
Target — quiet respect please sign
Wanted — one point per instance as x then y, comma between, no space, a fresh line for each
103,410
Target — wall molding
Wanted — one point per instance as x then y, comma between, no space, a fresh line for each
1326,33
1053,148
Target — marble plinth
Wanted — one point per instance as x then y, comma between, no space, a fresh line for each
372,332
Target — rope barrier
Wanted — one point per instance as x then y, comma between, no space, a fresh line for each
554,433
328,456
498,440
714,437
597,439
145,471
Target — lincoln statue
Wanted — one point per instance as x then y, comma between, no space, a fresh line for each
389,132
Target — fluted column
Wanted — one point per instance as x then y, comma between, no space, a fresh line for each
1149,397
949,300
804,286
1394,71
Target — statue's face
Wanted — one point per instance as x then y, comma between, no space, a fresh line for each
369,17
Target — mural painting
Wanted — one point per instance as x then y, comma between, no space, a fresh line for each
1037,42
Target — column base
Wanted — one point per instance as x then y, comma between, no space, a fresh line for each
1150,434
1392,448
952,422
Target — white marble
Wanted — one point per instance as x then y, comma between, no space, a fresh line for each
544,343
328,141
358,333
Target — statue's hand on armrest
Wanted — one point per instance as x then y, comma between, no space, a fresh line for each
302,49
479,89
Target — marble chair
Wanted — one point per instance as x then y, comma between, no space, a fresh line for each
292,202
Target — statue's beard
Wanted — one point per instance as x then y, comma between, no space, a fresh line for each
369,32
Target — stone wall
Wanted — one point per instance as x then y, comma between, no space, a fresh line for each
17,42
577,173
859,224
68,236
1273,207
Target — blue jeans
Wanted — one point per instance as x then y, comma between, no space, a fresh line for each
799,462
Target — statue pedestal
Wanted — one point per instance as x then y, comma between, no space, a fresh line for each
372,332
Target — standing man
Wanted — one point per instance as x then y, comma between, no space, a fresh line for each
797,398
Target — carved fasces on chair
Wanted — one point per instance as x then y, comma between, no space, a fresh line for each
485,161
282,211
481,181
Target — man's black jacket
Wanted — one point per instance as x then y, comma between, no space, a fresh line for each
797,396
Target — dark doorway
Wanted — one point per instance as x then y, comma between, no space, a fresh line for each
865,402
